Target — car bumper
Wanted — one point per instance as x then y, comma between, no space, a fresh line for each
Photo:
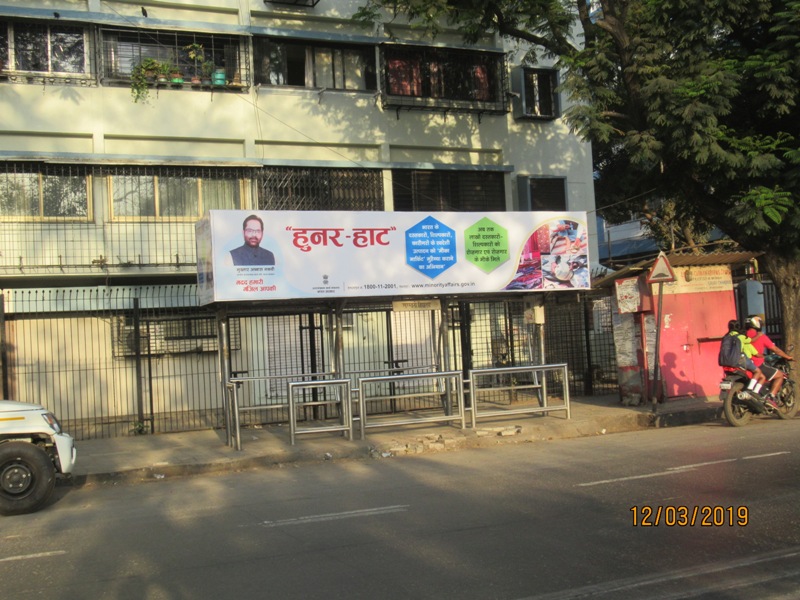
67,453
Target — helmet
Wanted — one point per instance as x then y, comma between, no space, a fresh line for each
754,322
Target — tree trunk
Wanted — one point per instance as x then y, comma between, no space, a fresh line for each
785,273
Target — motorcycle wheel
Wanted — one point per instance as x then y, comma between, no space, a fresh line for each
737,415
787,396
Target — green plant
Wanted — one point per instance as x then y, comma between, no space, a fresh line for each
196,54
142,75
173,73
207,68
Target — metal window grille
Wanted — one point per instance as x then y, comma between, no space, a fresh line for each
306,3
39,191
548,193
428,78
4,47
468,191
314,64
164,192
45,52
540,97
172,334
40,47
123,49
56,217
302,188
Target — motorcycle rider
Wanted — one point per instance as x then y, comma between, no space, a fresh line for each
761,342
748,351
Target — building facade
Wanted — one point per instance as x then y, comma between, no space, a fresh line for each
122,124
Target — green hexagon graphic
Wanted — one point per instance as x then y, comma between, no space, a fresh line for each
486,244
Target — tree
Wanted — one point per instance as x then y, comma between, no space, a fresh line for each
691,102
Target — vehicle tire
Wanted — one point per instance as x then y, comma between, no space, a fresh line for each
787,396
27,478
737,415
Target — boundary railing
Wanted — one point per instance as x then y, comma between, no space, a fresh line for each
445,384
341,399
446,389
233,410
538,384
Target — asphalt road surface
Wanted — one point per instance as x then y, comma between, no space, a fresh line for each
549,520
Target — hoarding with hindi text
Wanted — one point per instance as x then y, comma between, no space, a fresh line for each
280,255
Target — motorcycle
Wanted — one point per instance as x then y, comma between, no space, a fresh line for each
740,404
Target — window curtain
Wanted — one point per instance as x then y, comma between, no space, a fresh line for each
405,78
134,196
178,196
220,194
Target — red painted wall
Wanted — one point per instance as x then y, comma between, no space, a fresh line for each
688,358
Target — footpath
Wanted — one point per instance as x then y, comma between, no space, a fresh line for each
152,457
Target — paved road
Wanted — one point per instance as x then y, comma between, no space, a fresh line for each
537,521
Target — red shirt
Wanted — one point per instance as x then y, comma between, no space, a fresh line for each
760,343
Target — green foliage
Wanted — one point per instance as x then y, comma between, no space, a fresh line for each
196,53
141,76
691,101
760,207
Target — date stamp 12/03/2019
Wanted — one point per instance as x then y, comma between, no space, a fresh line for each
690,516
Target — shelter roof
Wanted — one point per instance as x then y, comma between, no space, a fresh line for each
678,260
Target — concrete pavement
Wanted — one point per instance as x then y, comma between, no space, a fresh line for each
153,457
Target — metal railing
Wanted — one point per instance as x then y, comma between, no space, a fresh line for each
233,410
446,386
508,384
342,399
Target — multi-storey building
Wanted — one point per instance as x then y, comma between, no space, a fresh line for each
105,168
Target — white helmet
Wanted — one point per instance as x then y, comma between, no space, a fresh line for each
754,322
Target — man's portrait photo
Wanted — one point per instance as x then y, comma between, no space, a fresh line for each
251,253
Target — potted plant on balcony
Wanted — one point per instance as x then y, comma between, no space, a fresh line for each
174,75
206,70
196,54
142,76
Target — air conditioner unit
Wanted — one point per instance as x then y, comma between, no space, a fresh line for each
150,339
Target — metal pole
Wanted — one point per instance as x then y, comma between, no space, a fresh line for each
223,355
137,337
543,361
588,381
443,329
3,352
656,360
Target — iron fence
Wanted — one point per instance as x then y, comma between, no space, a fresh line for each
116,361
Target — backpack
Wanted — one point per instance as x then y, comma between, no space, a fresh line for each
730,351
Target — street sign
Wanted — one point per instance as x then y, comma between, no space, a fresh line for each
662,271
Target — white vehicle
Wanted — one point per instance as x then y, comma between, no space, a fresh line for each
33,449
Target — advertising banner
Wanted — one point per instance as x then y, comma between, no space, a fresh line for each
271,255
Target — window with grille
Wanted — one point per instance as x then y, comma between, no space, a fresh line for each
306,188
169,336
539,93
34,191
314,65
167,193
548,193
444,76
193,54
464,191
41,47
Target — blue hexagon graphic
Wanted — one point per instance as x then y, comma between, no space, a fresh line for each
430,247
